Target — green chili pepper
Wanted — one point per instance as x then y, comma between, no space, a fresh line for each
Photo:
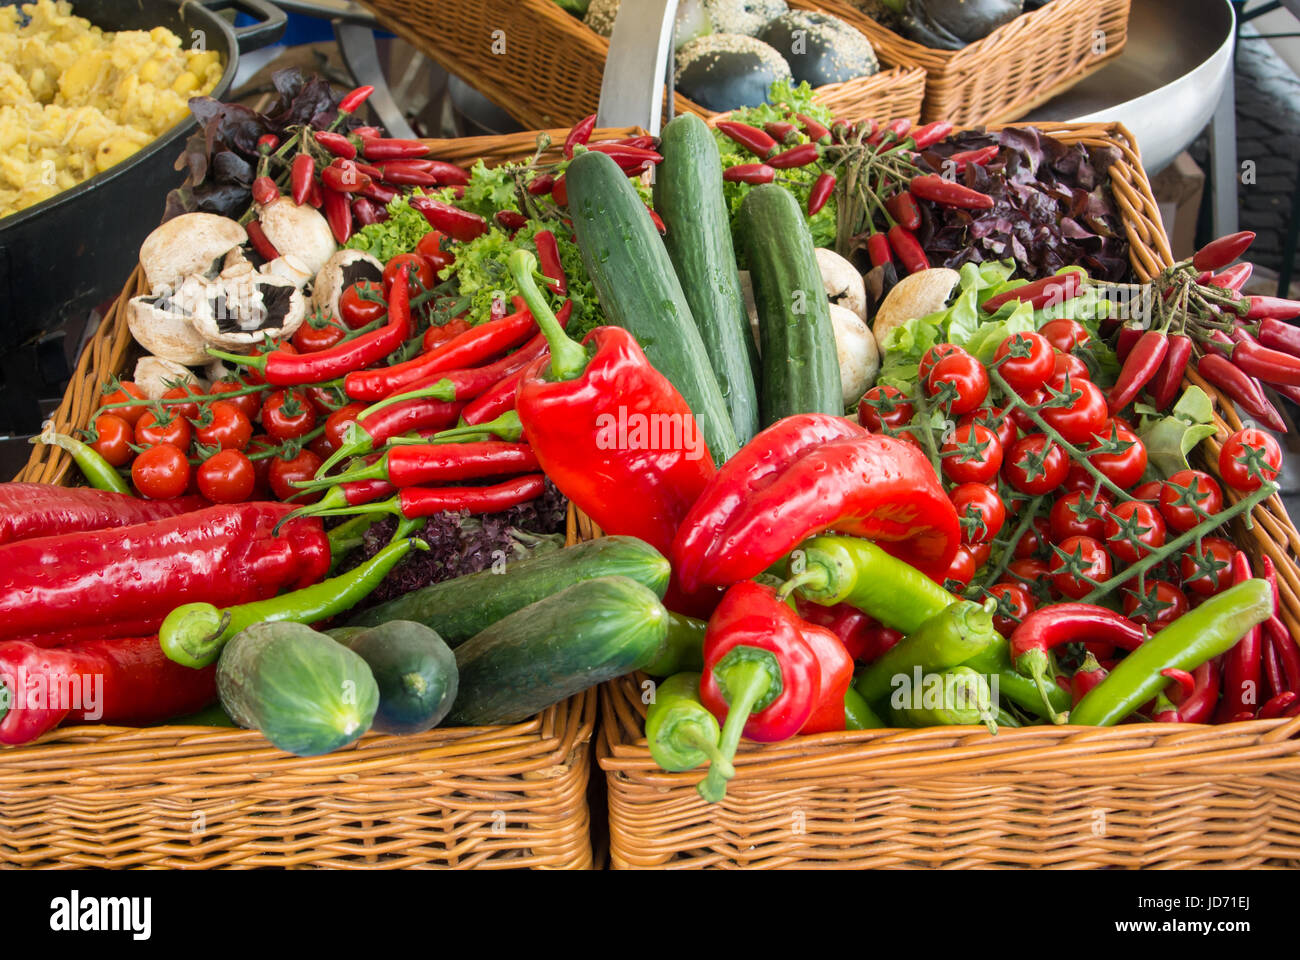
960,631
995,661
958,697
857,572
99,473
1197,636
194,633
681,731
858,714
1006,719
683,650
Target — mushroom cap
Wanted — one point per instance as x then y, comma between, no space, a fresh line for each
916,295
856,350
242,312
843,283
288,267
164,324
153,374
185,245
300,231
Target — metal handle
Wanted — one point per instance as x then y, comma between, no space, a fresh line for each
640,54
268,30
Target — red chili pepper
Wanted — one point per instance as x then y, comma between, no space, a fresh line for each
406,176
1279,335
863,637
782,131
512,220
1047,292
1127,339
1287,651
975,157
1184,682
1243,390
267,143
411,503
878,250
560,192
1234,278
579,134
353,99
756,141
910,252
495,400
30,510
388,149
355,493
548,258
1266,365
454,222
816,132
949,194
1278,705
1241,664
474,347
337,144
1139,367
541,185
1198,705
820,193
1169,378
1275,308
264,191
412,465
1219,253
127,681
343,176
1271,659
301,176
931,133
364,212
1089,674
645,142
138,574
903,208
367,133
836,674
379,193
895,129
752,173
338,213
629,159
806,474
799,156
760,675
260,241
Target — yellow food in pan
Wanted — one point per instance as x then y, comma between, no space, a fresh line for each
75,100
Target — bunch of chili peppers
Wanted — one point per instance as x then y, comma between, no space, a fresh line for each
870,169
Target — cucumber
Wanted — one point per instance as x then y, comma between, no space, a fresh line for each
415,672
584,635
307,693
460,608
800,369
639,291
688,198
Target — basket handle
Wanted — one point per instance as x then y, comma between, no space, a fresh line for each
640,51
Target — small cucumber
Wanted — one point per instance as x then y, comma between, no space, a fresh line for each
460,608
415,672
801,372
589,633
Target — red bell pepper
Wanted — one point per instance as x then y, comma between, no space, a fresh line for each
761,678
29,510
806,474
124,681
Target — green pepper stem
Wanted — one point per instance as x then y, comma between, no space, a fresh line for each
814,576
568,358
1035,663
256,361
692,734
505,427
444,390
371,471
747,681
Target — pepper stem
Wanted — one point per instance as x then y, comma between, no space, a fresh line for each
814,576
748,682
371,471
692,734
568,358
1035,663
505,427
256,361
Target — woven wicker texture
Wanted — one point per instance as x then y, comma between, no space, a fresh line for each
1015,68
488,797
1151,795
544,67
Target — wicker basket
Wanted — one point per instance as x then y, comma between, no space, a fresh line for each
544,67
1150,795
1015,68
171,796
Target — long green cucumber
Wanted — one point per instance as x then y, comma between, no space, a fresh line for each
688,198
640,292
592,632
801,372
460,608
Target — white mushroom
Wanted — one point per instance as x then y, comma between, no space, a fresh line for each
155,376
842,281
243,312
856,349
185,245
916,295
342,270
300,231
163,322
288,267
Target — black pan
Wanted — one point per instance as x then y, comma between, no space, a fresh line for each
63,256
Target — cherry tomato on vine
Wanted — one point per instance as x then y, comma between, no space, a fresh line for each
1084,415
287,415
959,382
1030,371
1079,515
310,338
1036,536
223,425
261,465
227,477
1164,604
161,472
884,405
114,437
1036,465
249,403
187,410
1014,604
171,428
1150,490
980,552
420,274
430,247
933,356
1124,468
126,390
1176,505
981,511
357,312
337,423
1133,530
962,569
1093,562
436,335
1065,334
1032,569
1064,363
971,455
1205,571
997,419
283,473
1034,399
1249,457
